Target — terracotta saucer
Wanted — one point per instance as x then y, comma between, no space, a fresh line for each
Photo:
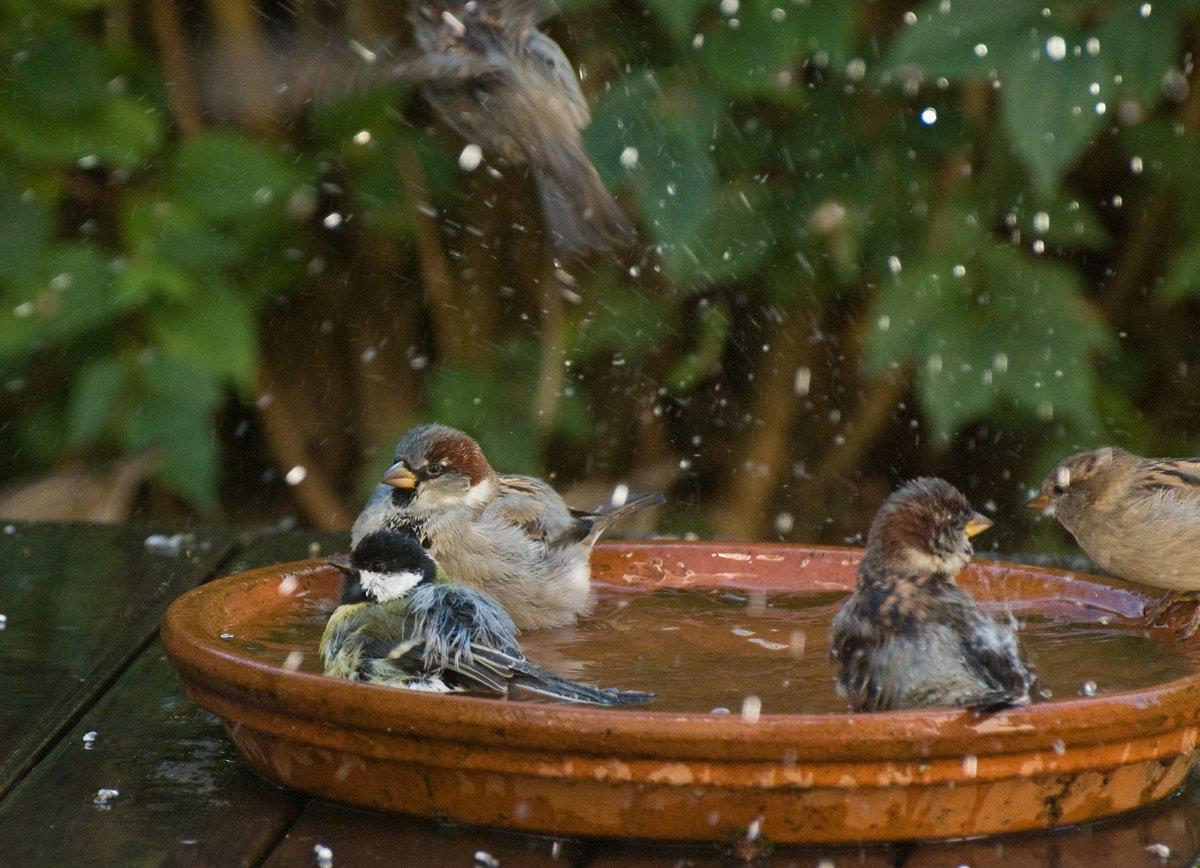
654,774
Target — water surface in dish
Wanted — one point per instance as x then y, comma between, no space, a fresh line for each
729,652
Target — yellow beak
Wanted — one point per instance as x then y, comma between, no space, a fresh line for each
399,476
1040,502
978,524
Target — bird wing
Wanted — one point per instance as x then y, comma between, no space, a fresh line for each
533,506
991,649
552,64
1177,478
444,68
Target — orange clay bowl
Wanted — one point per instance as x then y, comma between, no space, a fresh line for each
644,774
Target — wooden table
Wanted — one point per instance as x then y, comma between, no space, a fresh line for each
79,655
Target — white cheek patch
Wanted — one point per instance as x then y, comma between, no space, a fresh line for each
923,562
388,586
480,492
1063,476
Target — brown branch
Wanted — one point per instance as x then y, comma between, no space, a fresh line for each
243,48
877,407
181,87
1143,253
316,496
551,372
440,292
763,462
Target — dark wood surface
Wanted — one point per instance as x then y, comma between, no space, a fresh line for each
79,655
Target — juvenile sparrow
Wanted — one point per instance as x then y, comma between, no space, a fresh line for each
908,636
398,625
1137,518
506,87
510,536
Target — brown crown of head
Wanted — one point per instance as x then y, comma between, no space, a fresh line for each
426,445
926,515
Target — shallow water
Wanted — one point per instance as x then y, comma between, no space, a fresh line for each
710,650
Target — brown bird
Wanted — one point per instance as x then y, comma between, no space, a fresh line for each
507,88
909,637
1137,518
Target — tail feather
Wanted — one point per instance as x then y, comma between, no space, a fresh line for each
578,211
533,679
590,525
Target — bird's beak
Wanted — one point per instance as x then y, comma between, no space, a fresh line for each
399,476
1040,502
978,524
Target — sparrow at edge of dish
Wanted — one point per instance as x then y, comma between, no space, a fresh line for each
399,626
506,87
908,636
1137,518
508,535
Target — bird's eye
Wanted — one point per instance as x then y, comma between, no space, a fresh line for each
1058,489
435,469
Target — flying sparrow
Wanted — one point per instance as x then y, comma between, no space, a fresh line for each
510,536
1137,518
507,88
908,636
399,625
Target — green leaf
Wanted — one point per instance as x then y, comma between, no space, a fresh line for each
1183,278
215,333
58,74
173,417
762,54
25,228
705,359
668,135
730,242
1141,48
678,18
95,399
161,229
226,178
627,322
1051,108
945,38
994,330
70,297
121,132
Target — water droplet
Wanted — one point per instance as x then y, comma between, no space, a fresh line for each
1089,688
323,854
929,116
103,796
1145,9
620,494
629,157
910,18
980,49
729,7
751,709
1041,222
293,661
893,263
1136,166
332,220
296,475
470,157
1056,48
362,137
89,739
802,382
1092,46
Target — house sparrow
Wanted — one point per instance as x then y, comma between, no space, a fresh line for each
511,536
909,637
399,625
1137,518
506,87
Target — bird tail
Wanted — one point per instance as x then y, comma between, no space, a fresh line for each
590,525
579,213
530,678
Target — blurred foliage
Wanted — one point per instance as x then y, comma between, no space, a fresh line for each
990,210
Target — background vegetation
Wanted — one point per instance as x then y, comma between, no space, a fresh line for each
878,239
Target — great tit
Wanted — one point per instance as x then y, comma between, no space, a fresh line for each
401,624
